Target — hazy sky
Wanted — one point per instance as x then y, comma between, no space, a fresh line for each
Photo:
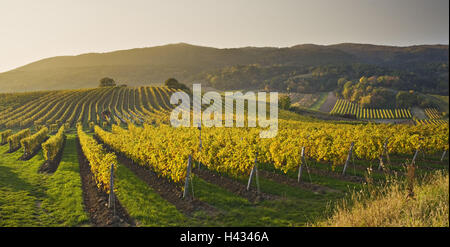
32,30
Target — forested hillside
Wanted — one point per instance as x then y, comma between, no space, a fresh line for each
299,68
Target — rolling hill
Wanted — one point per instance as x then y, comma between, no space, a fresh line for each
153,65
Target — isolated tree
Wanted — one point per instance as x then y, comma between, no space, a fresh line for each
173,83
285,102
107,82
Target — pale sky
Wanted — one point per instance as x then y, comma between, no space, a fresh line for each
31,30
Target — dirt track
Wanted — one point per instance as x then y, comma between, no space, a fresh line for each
418,113
329,103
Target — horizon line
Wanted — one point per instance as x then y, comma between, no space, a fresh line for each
217,47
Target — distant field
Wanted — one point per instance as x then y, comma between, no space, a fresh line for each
344,107
84,106
304,100
441,97
415,115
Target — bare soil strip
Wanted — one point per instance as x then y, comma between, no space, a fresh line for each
232,185
168,190
294,183
51,166
418,113
95,201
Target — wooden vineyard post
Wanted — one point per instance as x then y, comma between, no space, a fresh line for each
381,165
112,198
200,144
414,157
188,177
384,151
443,155
301,165
251,177
253,173
348,158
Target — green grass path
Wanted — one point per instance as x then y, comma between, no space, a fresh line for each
28,198
143,204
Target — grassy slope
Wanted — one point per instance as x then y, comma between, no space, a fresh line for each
316,106
390,206
33,199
